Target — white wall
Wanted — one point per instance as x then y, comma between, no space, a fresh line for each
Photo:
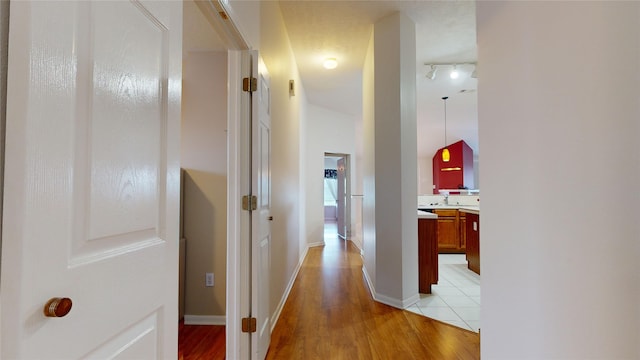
204,114
331,163
288,119
391,132
357,203
368,176
262,26
559,124
247,18
425,175
326,131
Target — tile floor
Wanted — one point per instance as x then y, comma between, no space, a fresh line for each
456,298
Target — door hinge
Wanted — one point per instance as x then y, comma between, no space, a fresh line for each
249,325
249,84
249,202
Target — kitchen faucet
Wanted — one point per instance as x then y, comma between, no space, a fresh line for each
446,199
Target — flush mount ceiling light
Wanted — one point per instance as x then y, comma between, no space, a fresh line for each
445,152
330,63
457,69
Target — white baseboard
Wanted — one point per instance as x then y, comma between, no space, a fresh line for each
285,295
396,303
319,243
372,290
357,245
205,320
410,300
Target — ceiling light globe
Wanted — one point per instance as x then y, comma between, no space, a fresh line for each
454,74
330,63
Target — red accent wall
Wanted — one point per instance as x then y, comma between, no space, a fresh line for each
461,157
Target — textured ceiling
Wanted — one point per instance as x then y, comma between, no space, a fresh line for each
445,33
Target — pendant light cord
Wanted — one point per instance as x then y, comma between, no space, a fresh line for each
445,120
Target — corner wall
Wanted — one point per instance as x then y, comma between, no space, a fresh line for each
396,152
368,166
390,158
559,126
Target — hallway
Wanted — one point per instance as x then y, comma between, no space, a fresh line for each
330,315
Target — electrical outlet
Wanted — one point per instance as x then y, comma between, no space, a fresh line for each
208,279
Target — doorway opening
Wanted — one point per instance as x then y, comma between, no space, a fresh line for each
337,194
208,178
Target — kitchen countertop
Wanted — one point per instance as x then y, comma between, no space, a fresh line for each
426,215
471,209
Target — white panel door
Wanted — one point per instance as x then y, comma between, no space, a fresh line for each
92,180
261,218
342,199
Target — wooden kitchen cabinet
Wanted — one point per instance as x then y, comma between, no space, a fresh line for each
472,229
463,229
450,239
427,254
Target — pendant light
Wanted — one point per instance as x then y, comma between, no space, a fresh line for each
445,152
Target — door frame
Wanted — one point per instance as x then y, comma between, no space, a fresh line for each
238,177
347,203
238,221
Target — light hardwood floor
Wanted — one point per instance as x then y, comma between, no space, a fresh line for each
330,315
201,342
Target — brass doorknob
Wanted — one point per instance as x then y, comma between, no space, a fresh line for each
57,307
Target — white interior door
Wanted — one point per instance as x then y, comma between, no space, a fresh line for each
342,198
261,218
92,180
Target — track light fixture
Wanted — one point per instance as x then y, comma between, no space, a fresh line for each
455,72
474,74
432,73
